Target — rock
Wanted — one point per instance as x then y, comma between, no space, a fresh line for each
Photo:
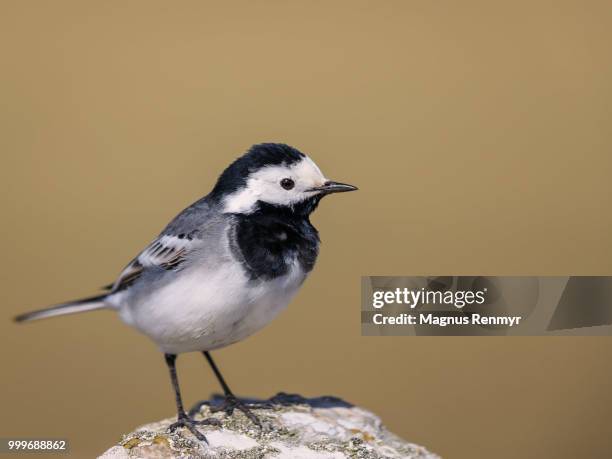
295,427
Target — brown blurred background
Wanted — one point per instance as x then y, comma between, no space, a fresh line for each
478,132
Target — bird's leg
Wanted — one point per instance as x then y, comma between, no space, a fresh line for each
231,402
182,419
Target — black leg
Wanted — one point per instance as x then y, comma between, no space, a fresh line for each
182,419
228,392
171,362
231,401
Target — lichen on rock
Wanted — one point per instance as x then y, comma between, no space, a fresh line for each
294,427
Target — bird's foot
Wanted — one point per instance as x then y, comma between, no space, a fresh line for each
185,421
231,403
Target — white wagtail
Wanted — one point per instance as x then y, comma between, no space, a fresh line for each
225,266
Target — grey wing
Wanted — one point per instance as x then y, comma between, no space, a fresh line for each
166,252
172,246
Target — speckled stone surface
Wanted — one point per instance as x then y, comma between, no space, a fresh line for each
295,428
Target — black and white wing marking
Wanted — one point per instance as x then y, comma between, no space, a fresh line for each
166,252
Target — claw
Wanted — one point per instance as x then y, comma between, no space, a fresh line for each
209,422
231,403
187,422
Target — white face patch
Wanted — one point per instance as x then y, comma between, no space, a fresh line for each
265,185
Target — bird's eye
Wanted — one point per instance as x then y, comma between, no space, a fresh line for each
287,183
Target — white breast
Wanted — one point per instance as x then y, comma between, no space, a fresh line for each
205,308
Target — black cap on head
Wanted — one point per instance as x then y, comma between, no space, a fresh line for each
258,156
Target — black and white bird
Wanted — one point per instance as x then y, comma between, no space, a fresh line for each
225,266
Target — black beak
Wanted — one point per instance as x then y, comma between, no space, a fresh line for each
334,187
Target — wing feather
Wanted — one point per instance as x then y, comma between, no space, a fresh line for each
166,252
172,247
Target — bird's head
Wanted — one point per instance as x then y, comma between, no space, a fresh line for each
277,175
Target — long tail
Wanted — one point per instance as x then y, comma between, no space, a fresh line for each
86,304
